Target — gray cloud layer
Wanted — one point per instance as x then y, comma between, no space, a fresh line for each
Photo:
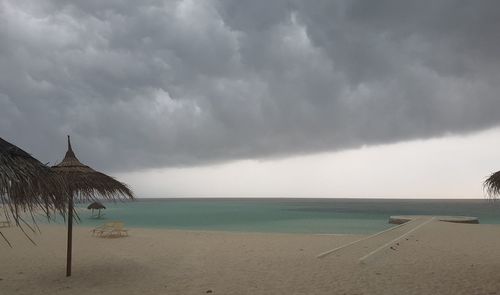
159,83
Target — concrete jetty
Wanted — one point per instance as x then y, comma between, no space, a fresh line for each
400,219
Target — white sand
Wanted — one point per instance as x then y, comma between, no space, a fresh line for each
439,258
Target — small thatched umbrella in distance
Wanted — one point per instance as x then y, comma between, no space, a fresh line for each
84,183
492,185
96,206
26,184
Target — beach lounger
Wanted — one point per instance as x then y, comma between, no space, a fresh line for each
119,229
4,223
110,229
98,230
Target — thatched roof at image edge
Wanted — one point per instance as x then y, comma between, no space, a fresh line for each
26,184
492,185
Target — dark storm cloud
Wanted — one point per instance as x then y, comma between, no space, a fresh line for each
159,83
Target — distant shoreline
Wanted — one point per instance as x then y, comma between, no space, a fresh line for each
313,199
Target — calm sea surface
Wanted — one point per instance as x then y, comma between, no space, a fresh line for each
337,216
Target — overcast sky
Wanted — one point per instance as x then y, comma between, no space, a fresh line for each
195,91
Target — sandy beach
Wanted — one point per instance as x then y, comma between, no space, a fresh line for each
439,258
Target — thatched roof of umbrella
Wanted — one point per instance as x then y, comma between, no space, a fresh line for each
84,183
96,206
87,184
27,185
492,185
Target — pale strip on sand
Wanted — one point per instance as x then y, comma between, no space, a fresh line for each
384,246
363,239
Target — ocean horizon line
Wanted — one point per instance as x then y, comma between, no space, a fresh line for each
318,198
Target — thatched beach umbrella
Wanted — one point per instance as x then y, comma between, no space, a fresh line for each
492,185
96,206
84,183
26,184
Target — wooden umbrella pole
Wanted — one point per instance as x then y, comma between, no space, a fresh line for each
70,235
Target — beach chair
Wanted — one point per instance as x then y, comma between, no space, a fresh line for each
4,223
110,229
119,229
100,229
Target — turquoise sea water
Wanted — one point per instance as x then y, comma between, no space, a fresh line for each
334,216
